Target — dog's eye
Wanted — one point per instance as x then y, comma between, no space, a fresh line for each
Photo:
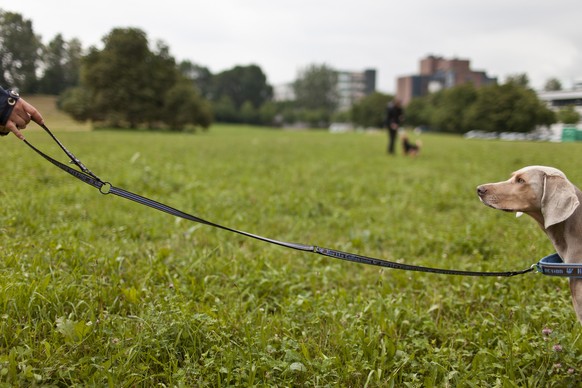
520,180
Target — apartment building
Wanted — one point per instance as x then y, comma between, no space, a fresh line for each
352,86
438,73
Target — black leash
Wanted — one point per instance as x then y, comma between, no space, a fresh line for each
104,187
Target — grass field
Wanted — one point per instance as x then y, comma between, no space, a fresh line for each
99,291
47,105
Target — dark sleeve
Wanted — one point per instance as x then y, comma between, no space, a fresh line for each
7,101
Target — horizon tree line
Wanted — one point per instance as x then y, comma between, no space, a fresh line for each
134,83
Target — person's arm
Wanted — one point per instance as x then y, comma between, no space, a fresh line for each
15,113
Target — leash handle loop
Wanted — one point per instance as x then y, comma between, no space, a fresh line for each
73,158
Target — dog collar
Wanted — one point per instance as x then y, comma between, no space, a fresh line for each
553,265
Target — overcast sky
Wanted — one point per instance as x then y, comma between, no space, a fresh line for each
502,37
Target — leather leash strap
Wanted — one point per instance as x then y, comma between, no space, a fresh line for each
104,187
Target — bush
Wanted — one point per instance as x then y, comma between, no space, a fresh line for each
568,115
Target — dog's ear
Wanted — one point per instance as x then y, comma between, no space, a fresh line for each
559,200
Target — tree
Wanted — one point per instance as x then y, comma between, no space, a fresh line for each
446,110
316,88
316,118
242,84
268,113
127,84
494,108
62,65
183,106
520,79
553,84
225,111
19,52
76,102
316,94
163,75
509,107
73,61
127,81
370,111
418,112
199,75
568,115
235,89
451,107
248,113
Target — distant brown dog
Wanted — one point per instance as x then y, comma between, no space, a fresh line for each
409,148
546,195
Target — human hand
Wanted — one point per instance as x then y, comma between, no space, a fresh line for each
21,115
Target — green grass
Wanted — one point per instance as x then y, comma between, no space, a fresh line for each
99,291
47,106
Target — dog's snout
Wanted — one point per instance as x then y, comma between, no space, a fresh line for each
481,191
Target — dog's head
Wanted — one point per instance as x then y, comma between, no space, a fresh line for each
541,192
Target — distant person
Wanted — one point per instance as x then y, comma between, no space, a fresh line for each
410,149
15,113
394,117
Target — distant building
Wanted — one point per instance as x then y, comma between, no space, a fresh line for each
438,73
351,86
561,98
557,99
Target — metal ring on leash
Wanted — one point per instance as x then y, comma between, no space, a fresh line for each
105,188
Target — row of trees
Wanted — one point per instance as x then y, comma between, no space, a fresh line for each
511,106
23,57
124,84
128,83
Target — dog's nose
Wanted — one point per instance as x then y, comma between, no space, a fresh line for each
481,191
